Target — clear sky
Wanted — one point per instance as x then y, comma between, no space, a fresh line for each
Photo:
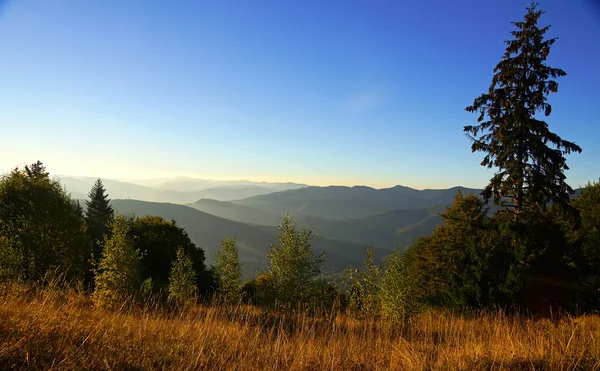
321,92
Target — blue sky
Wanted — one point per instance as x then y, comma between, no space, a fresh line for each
320,92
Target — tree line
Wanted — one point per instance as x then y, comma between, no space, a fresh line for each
539,249
116,257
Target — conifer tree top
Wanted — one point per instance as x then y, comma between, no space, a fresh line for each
98,205
529,157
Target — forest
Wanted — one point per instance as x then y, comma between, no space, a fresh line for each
507,277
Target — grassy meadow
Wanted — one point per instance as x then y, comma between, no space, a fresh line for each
50,329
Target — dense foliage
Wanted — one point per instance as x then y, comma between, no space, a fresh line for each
158,240
41,227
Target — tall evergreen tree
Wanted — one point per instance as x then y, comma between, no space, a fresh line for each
529,157
98,215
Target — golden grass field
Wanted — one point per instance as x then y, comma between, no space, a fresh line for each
61,330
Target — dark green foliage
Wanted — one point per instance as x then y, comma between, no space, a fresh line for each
587,237
250,292
159,240
542,273
40,227
462,265
98,215
529,157
474,261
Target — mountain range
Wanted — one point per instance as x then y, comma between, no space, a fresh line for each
207,231
178,190
344,220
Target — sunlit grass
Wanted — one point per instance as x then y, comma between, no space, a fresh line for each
49,329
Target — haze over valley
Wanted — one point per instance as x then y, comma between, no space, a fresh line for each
345,220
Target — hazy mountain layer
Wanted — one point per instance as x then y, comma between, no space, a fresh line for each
176,190
207,230
336,202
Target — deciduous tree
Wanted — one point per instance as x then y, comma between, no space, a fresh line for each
182,280
293,266
40,228
228,270
118,274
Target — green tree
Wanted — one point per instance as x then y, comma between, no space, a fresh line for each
363,285
40,229
182,280
529,157
228,270
397,290
11,261
588,238
98,215
159,239
293,267
118,274
464,263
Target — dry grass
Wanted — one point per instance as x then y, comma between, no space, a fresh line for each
63,331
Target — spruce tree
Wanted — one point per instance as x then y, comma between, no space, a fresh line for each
529,157
98,215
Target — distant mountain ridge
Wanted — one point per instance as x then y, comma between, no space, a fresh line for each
385,218
176,190
207,230
340,202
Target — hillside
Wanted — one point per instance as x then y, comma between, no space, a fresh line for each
337,202
228,193
236,212
380,230
207,230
